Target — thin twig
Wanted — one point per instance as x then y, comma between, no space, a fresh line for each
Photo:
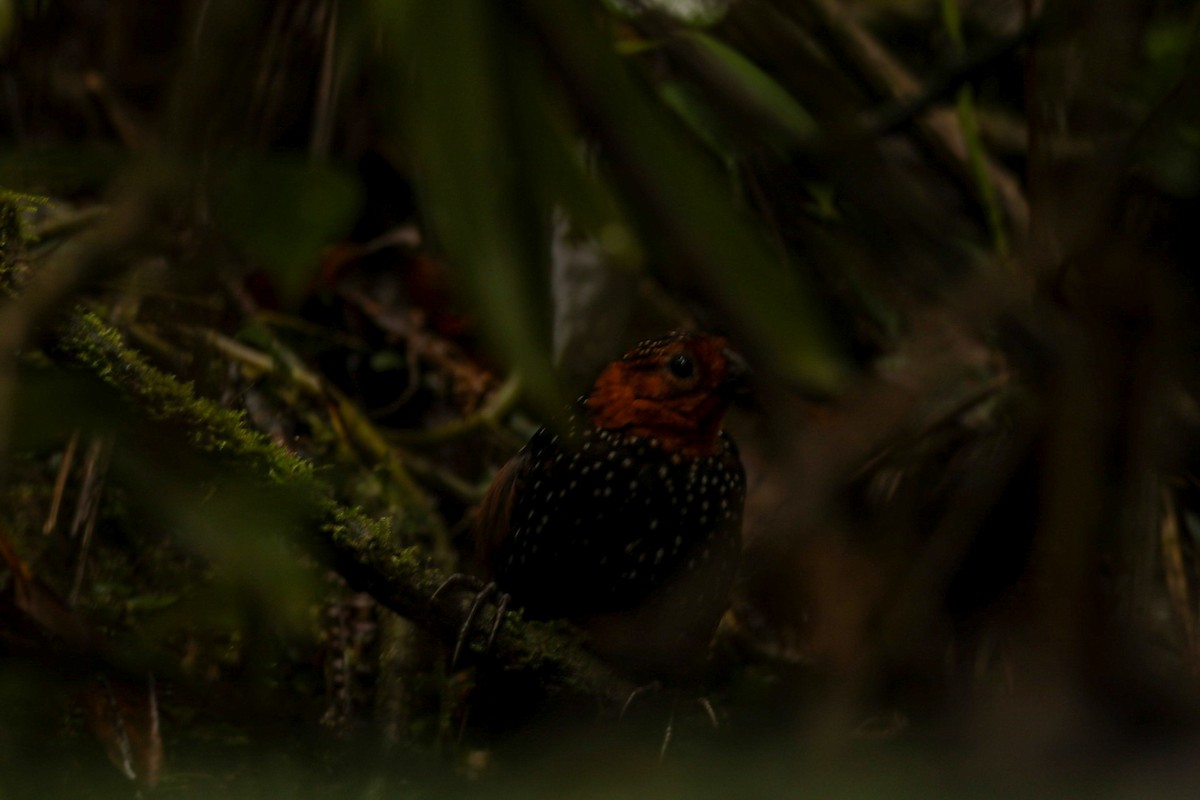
327,86
939,128
60,483
498,404
900,112
90,492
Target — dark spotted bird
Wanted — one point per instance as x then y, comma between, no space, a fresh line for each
627,520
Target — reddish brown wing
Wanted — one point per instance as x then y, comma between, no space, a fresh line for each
493,524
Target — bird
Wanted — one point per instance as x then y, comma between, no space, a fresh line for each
626,519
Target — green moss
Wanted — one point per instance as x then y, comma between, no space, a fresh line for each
366,547
350,527
16,232
408,558
209,427
15,207
90,341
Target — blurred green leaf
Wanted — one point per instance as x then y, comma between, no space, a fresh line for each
149,603
47,408
698,114
241,526
1170,49
762,92
472,170
283,211
683,201
7,22
61,170
486,117
388,359
1173,163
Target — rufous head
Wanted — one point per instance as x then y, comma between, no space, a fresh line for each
675,389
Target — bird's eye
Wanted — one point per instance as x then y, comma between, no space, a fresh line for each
682,366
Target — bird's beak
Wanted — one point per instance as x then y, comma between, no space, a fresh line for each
737,375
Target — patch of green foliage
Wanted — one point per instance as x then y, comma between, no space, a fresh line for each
16,232
209,427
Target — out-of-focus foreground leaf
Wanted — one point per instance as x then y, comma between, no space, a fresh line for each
283,211
491,88
469,166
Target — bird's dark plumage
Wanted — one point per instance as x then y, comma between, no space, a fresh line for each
628,520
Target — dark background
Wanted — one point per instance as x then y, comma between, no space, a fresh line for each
954,240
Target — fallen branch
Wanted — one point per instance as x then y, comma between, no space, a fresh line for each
362,549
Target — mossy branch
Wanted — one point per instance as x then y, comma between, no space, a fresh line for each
353,426
362,549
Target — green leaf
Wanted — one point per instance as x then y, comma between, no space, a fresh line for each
498,99
682,200
243,528
697,114
762,92
283,211
475,153
7,23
